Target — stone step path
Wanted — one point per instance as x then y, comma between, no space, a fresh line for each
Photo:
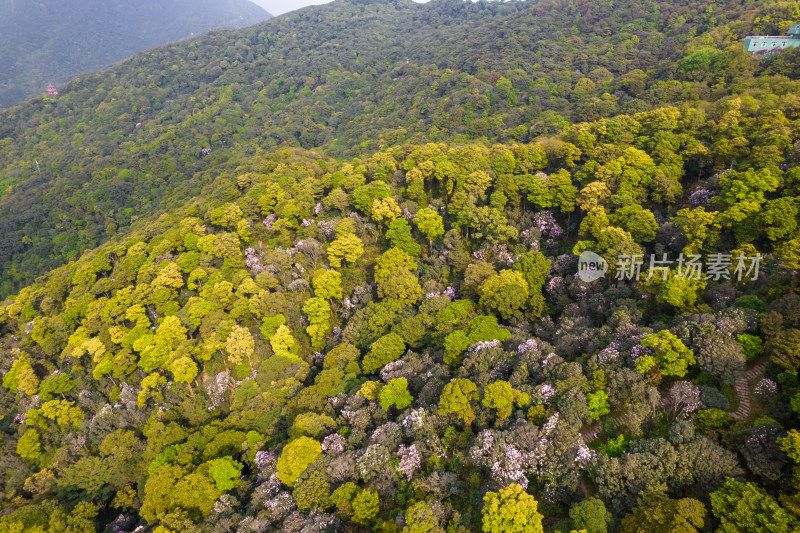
589,434
744,389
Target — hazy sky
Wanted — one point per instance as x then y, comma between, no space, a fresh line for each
279,7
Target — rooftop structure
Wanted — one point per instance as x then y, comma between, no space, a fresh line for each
773,44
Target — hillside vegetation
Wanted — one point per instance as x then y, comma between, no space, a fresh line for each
55,40
350,300
129,141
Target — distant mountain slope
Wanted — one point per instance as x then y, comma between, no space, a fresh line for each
55,40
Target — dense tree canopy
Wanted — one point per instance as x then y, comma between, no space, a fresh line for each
374,318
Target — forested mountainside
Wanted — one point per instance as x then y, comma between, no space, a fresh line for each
317,296
353,77
401,342
53,41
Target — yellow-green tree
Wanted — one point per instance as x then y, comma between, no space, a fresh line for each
501,396
506,292
295,458
327,284
395,393
383,351
184,369
670,356
21,377
402,286
429,224
456,397
319,315
657,512
240,345
511,510
385,210
28,446
392,260
346,247
283,344
366,505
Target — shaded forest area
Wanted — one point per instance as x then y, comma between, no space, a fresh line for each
56,40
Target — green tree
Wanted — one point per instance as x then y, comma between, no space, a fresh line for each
364,196
638,221
295,458
158,491
382,352
392,260
474,276
752,346
319,314
343,497
395,393
613,242
401,286
419,518
670,356
56,384
62,412
89,478
169,276
535,269
590,515
158,351
225,472
511,510
506,292
454,345
312,493
657,512
81,519
399,235
598,404
699,226
28,446
681,292
501,396
555,190
366,505
429,224
455,399
779,218
744,507
327,284
595,221
311,424
346,247
240,345
195,494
